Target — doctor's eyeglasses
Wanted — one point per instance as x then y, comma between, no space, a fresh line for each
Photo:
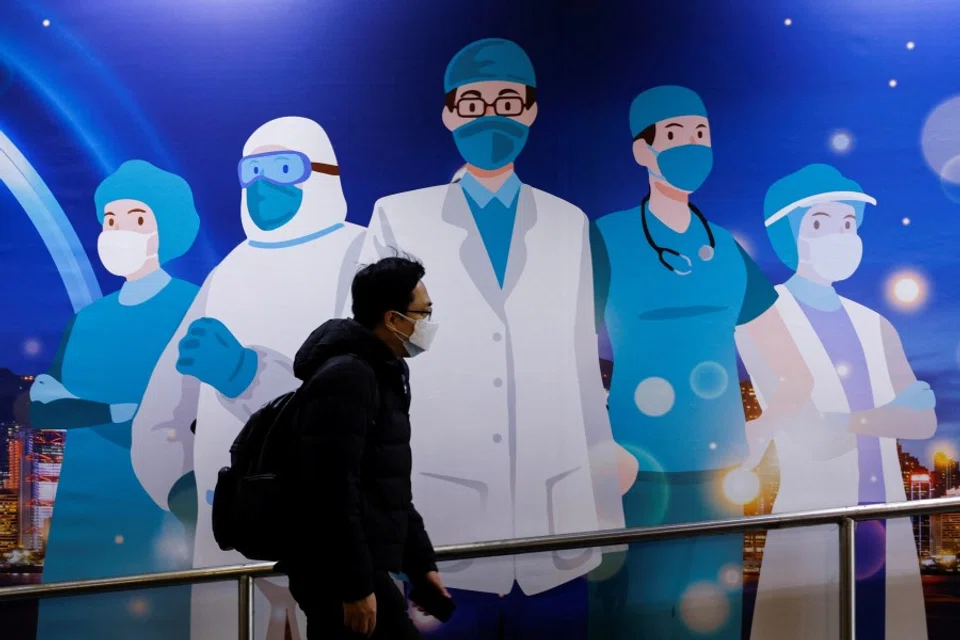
502,106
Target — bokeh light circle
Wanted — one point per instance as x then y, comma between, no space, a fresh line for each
709,380
704,607
841,142
655,397
950,179
940,136
907,290
741,486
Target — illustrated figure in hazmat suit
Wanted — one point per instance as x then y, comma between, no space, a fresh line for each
841,449
502,450
104,524
672,286
234,350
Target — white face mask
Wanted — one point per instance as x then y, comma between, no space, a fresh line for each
834,257
124,252
422,337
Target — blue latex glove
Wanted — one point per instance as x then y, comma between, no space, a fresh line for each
210,353
918,397
123,412
48,389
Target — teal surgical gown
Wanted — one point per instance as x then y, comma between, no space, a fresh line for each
675,404
104,523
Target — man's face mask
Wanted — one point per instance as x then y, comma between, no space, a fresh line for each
421,338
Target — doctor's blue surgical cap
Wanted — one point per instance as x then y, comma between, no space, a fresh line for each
168,196
790,198
662,103
492,59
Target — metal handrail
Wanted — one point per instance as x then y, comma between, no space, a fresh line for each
846,517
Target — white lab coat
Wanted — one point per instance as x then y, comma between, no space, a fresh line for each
510,433
271,292
798,594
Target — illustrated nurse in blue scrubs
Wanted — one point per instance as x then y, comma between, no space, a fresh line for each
671,288
104,523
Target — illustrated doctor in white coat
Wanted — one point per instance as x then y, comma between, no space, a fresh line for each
234,350
511,436
842,449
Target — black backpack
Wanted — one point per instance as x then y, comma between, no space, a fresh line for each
251,496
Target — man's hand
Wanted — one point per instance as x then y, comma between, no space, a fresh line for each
361,616
433,578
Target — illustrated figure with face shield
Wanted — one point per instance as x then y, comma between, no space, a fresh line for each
234,349
500,449
671,287
104,523
841,449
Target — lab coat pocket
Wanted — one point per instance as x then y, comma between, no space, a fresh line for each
571,509
453,509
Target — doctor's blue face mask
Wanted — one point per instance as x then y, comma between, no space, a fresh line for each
685,167
272,179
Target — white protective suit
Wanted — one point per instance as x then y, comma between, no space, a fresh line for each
271,291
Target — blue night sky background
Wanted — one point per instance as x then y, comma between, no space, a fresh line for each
182,83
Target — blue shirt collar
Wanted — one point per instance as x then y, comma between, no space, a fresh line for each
506,194
134,292
819,296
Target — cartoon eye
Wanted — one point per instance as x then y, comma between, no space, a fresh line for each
140,221
110,222
286,168
848,224
669,135
816,224
256,171
700,134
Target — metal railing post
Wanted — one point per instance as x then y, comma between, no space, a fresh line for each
245,607
848,579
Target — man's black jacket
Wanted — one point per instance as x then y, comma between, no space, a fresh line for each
351,451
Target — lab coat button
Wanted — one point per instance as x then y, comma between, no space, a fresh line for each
497,438
498,382
497,337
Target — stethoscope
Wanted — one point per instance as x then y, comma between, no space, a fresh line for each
705,253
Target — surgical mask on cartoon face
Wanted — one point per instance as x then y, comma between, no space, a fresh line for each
422,337
834,257
124,252
685,167
491,142
273,205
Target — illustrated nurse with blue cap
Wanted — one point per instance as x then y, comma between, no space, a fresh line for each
671,288
841,449
104,524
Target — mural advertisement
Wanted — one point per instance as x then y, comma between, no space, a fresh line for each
692,263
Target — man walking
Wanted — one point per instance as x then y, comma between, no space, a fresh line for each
351,454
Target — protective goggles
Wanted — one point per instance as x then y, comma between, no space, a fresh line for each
280,167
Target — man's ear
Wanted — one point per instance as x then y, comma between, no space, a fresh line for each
644,155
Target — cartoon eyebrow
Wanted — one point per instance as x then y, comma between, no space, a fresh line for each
673,124
472,93
848,216
701,126
136,211
508,92
110,213
821,213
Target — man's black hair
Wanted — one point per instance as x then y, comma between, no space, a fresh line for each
386,285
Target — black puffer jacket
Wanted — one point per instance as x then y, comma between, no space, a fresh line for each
351,448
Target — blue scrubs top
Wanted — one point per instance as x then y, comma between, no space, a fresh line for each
675,399
104,523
